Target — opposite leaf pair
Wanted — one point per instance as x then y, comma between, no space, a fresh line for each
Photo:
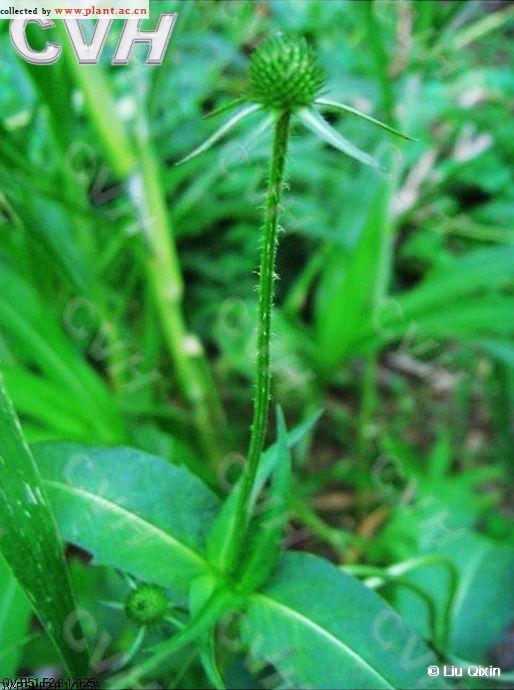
318,626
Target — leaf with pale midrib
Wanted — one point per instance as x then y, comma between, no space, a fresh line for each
131,510
321,628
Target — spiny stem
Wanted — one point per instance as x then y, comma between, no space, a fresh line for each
266,292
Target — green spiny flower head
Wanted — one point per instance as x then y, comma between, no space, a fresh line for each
285,74
147,605
285,77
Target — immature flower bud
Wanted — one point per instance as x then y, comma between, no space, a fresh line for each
284,74
147,604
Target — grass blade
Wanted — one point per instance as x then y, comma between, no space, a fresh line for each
15,611
352,286
29,540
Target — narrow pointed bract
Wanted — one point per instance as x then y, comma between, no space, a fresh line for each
224,108
285,77
221,132
315,122
329,103
262,127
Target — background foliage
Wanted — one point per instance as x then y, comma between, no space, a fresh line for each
395,312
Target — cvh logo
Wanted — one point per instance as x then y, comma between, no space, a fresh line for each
88,53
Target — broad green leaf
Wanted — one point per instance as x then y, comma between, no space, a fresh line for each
223,526
15,613
29,540
267,530
131,510
321,628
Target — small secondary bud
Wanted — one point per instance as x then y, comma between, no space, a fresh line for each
147,604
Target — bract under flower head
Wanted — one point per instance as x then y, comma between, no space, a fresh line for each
285,77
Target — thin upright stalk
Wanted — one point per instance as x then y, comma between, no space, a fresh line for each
266,294
165,278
